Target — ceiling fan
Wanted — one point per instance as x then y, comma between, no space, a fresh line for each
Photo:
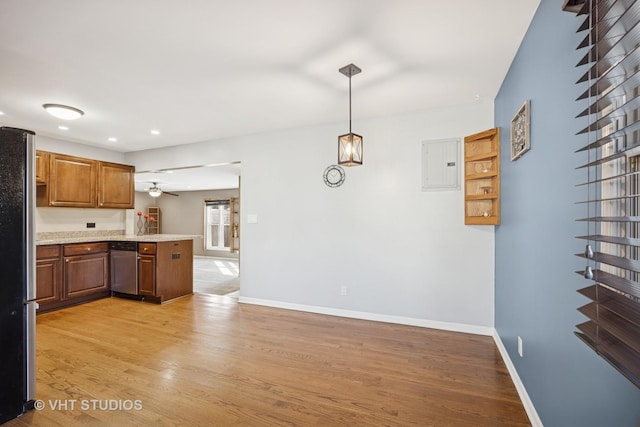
155,191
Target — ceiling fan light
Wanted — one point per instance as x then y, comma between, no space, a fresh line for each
155,191
63,112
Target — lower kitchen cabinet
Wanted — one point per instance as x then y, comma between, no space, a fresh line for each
86,269
147,275
48,275
165,270
71,274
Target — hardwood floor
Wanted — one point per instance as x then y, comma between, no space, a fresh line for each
206,360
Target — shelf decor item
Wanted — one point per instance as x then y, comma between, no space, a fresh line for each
520,131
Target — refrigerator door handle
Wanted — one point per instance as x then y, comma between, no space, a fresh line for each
30,203
30,351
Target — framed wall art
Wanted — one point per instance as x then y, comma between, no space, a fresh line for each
520,131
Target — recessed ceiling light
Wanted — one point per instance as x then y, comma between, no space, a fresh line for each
63,127
112,139
155,132
63,112
1,113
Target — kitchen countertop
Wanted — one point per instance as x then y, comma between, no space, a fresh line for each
152,238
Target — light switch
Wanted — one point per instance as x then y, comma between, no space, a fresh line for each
252,219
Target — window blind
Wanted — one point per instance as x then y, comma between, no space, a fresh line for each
611,164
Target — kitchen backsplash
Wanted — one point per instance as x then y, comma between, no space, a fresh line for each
48,235
68,220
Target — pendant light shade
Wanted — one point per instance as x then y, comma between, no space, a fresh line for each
350,149
350,145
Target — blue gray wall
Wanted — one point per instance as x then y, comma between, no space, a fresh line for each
535,281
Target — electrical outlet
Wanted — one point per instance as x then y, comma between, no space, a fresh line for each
343,291
520,346
91,225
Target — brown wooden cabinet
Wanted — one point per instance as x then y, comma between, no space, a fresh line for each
482,178
83,183
48,275
115,185
71,274
165,270
72,182
86,270
147,269
42,167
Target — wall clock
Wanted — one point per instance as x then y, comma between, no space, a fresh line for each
333,176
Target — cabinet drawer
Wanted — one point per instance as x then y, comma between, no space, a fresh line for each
48,251
147,248
85,248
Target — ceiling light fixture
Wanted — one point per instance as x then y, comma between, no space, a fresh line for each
63,127
155,191
350,144
63,112
154,132
113,139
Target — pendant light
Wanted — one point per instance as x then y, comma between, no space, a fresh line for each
350,144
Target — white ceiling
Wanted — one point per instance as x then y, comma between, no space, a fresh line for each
198,177
206,69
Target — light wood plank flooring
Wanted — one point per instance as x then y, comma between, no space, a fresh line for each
206,360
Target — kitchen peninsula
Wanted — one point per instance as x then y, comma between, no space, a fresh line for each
74,268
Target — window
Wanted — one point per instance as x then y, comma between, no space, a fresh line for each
612,182
217,225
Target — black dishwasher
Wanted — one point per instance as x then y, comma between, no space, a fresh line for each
124,267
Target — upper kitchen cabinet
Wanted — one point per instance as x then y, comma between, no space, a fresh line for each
115,185
72,182
85,183
42,167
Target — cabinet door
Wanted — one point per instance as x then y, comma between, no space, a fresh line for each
115,186
72,181
86,275
42,167
147,275
47,281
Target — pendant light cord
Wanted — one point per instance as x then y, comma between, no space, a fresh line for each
350,104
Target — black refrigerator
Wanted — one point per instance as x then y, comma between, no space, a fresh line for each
17,272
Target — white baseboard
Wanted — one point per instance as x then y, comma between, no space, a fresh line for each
522,391
400,320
